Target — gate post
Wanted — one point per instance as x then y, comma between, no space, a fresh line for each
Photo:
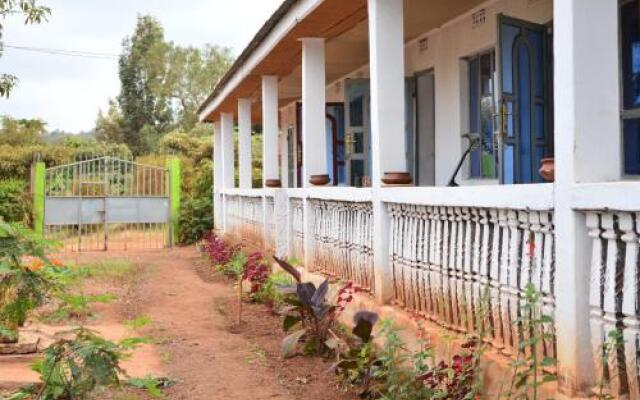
37,193
174,198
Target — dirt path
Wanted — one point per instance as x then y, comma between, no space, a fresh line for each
195,339
196,342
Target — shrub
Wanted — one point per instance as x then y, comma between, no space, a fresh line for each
309,307
196,219
270,293
220,252
74,367
14,200
23,286
256,271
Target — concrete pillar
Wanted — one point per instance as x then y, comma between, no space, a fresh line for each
244,143
314,142
587,148
217,177
386,53
228,178
270,174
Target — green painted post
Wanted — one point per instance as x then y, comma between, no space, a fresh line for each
39,173
174,179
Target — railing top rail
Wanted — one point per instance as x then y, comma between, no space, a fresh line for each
259,192
520,197
336,193
614,196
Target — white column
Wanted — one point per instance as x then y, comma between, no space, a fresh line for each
244,143
270,130
228,181
217,176
314,141
386,53
587,148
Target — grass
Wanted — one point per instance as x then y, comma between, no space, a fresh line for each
138,322
256,356
166,357
108,270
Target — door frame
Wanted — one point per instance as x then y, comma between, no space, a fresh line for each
416,130
365,156
501,134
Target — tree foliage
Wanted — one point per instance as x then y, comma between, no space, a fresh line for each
33,13
145,111
162,85
21,132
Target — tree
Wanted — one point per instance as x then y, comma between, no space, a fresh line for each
191,76
21,132
110,126
162,85
142,69
33,14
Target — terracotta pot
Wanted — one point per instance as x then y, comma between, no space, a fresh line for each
548,169
319,180
396,178
273,183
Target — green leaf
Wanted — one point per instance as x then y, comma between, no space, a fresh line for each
289,322
548,361
290,342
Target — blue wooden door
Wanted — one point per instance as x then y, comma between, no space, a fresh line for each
523,104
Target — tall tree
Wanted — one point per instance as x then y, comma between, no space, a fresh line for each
191,76
145,110
161,87
33,13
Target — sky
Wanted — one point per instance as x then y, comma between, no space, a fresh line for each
67,92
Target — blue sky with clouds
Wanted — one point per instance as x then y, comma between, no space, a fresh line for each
67,92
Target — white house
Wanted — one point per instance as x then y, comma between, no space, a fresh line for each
368,106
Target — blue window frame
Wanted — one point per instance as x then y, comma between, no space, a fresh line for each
630,81
483,159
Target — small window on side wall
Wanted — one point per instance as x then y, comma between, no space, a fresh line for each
483,159
630,82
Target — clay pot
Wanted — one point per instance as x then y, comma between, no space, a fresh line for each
273,183
319,180
548,169
396,178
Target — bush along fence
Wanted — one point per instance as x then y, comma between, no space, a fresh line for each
107,203
371,356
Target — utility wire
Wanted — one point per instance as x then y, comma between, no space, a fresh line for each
63,52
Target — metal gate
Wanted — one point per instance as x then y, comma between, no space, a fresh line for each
108,203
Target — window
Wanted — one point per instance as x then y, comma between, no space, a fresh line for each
630,81
483,159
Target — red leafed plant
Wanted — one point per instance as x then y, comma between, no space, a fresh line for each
256,271
456,378
220,252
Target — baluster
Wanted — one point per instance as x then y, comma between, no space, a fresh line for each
596,291
504,282
629,228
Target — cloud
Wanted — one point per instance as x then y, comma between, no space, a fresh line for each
68,91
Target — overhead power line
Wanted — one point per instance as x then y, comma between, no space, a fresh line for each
63,52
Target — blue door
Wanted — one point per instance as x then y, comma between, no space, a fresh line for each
523,106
